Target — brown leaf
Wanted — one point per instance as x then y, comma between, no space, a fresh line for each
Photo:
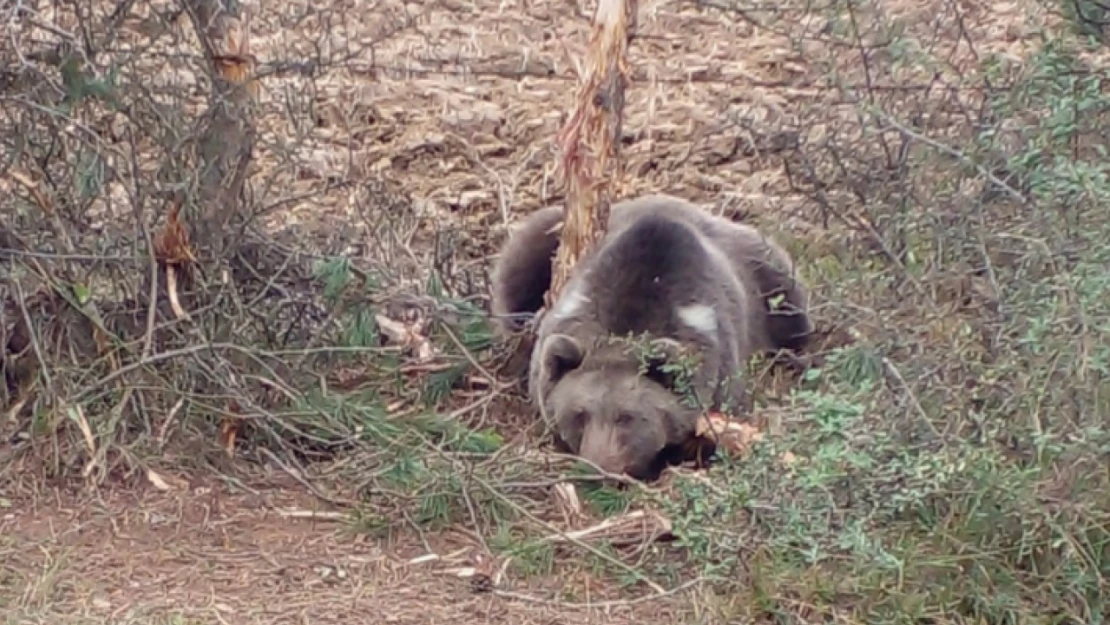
157,480
237,69
485,568
33,188
229,430
171,244
733,436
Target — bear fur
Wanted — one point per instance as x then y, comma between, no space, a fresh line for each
692,283
522,273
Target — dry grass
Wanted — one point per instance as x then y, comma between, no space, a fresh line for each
954,250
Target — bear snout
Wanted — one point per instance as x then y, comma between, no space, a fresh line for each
601,446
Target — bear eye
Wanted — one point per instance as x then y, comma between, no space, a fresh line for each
580,418
625,418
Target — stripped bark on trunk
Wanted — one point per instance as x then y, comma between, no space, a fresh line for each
590,141
226,134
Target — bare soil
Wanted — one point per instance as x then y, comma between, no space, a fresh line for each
212,553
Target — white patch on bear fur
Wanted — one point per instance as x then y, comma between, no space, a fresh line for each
700,318
571,303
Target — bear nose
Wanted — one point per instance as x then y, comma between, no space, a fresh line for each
610,463
600,446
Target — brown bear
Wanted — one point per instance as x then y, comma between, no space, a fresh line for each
693,284
522,273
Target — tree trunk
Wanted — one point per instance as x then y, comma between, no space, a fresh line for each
590,141
225,135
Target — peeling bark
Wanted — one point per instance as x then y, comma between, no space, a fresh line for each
225,134
590,141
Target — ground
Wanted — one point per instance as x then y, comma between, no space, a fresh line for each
203,554
408,137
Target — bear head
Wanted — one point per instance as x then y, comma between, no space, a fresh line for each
625,409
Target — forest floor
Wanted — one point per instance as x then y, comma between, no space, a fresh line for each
205,554
453,107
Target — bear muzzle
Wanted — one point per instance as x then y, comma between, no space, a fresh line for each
601,445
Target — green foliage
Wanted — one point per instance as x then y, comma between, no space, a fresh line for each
937,473
335,275
90,175
80,84
530,557
869,516
679,365
1068,97
1089,18
605,500
417,455
362,330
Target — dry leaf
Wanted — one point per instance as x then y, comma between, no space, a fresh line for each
171,244
157,480
171,290
733,436
77,414
229,431
171,247
32,187
465,572
485,567
101,603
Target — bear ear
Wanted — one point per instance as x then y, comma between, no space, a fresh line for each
562,354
